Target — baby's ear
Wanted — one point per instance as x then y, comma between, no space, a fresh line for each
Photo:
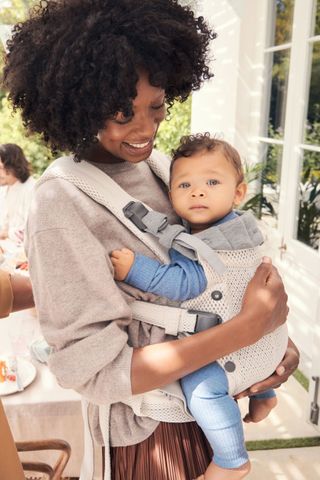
240,193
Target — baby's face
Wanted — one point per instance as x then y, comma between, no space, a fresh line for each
204,188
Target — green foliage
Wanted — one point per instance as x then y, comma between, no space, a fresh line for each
173,128
14,11
13,131
309,208
284,17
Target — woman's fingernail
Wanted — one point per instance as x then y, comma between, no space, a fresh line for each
266,259
281,370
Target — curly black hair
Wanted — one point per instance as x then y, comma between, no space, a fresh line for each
73,64
192,144
14,160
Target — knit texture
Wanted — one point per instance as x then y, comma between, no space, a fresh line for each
83,314
258,361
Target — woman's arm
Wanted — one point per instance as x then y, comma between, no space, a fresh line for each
15,293
22,293
156,365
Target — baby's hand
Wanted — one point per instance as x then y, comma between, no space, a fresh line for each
122,261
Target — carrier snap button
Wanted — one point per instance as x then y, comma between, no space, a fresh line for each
229,366
216,295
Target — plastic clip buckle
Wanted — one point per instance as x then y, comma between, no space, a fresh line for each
135,211
205,320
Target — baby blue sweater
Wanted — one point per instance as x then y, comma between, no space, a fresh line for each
179,280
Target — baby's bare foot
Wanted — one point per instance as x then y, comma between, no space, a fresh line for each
214,472
259,408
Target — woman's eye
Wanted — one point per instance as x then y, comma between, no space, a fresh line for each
121,119
158,107
212,181
184,185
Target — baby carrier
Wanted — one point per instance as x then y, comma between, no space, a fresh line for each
168,404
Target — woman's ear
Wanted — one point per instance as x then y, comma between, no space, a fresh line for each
240,193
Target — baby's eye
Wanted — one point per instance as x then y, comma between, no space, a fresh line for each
184,185
212,181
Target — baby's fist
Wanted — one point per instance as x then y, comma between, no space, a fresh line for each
122,261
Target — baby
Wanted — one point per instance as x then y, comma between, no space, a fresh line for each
206,183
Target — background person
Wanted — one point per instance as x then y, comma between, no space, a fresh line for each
94,77
16,178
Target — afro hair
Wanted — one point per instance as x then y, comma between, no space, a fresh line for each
74,63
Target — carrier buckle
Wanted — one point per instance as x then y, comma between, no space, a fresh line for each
135,211
205,320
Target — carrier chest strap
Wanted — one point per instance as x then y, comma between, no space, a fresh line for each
174,320
172,236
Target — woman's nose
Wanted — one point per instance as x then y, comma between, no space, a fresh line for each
146,126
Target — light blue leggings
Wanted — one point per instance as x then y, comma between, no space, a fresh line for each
217,413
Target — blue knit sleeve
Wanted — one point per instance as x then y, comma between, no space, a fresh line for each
180,280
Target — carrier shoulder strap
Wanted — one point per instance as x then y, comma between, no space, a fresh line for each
99,186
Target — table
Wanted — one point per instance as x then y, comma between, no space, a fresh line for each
44,409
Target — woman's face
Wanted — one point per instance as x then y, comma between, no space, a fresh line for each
131,139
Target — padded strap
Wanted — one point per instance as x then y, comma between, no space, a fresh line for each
173,320
99,186
172,236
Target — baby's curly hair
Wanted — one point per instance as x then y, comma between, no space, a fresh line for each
192,144
74,63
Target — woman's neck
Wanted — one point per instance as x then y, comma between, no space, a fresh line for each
97,154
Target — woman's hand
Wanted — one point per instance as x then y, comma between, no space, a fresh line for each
264,304
286,368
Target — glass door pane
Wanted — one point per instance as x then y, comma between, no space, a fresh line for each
312,124
278,94
283,21
317,19
308,231
270,183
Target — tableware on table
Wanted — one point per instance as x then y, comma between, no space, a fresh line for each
40,350
16,373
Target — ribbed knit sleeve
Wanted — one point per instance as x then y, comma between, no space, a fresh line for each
180,280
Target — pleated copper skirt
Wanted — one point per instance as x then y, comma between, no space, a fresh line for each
173,452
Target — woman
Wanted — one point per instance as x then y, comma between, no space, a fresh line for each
15,176
93,77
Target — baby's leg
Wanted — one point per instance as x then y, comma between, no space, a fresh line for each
260,406
218,415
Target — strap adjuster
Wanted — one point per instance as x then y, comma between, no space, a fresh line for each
205,320
135,211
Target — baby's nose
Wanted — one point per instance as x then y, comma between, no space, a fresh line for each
198,193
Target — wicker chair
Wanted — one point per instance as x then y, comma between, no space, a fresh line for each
12,468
